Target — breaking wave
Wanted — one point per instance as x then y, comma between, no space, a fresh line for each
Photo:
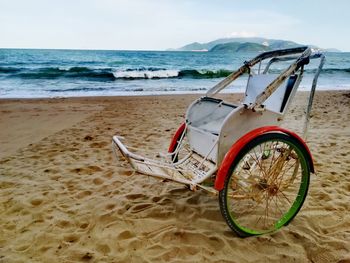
112,74
55,72
109,74
152,73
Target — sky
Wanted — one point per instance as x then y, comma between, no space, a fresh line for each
162,24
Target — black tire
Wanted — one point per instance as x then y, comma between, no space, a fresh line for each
254,184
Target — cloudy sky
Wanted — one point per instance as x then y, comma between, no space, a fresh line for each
161,24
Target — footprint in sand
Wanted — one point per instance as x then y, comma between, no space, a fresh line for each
140,207
156,199
63,223
22,247
126,234
98,144
110,206
51,171
9,226
103,248
177,191
88,138
98,181
71,238
84,225
77,170
108,174
89,169
135,196
127,172
36,201
83,194
94,168
193,200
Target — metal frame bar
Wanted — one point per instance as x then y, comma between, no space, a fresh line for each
312,92
248,64
179,166
313,87
280,79
278,59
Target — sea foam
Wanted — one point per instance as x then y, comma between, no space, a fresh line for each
146,74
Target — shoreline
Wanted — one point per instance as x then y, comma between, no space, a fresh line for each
180,94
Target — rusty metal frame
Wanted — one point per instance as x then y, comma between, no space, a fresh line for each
306,52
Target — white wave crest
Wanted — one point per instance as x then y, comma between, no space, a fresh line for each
146,74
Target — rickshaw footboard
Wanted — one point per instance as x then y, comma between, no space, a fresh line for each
191,170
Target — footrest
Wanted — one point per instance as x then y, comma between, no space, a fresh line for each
190,170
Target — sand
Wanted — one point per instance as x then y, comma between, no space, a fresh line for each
64,197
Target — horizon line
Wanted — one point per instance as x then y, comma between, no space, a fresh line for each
132,50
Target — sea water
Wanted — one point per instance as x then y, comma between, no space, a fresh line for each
35,73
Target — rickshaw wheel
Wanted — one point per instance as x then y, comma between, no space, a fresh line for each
264,192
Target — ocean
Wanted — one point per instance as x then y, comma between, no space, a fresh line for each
40,73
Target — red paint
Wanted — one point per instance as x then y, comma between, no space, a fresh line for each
237,147
176,137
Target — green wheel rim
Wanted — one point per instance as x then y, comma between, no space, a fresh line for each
268,190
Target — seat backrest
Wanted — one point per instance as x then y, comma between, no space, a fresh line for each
208,113
277,101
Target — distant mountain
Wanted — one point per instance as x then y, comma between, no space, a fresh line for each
272,43
220,45
239,47
332,50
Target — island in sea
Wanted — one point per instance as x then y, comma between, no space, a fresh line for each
245,44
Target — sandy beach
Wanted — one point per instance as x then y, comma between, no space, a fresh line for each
64,196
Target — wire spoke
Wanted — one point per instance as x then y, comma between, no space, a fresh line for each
265,185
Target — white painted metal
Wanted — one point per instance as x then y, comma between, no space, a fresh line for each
191,170
271,88
208,115
312,92
257,84
204,120
240,122
203,142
